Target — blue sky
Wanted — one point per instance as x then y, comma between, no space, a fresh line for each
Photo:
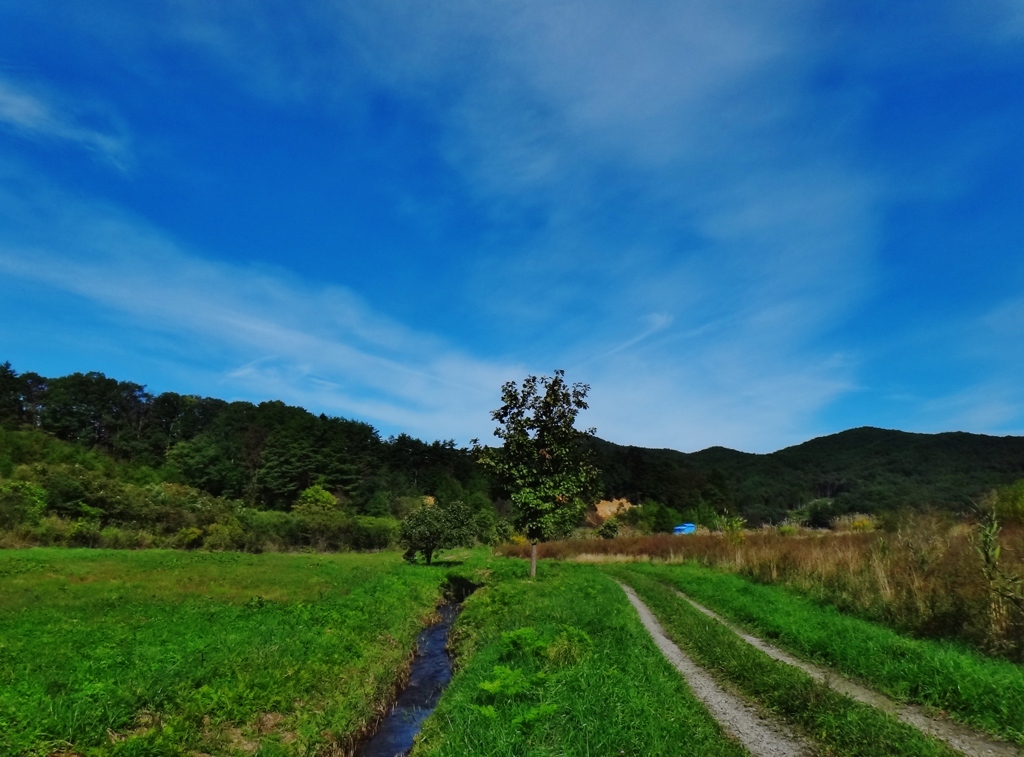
743,223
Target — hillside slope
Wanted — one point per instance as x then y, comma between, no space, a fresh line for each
862,469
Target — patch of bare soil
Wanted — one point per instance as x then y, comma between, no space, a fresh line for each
609,508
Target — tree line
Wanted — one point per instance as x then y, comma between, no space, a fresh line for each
171,467
262,454
88,460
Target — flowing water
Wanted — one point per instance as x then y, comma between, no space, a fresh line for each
430,673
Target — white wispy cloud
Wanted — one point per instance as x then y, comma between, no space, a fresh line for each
692,244
277,336
628,131
35,116
274,335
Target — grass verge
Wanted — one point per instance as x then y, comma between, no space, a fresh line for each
970,687
840,725
170,653
561,665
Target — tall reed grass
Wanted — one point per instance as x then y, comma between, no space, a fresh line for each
927,577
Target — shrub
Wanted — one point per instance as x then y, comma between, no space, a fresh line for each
609,529
1009,503
21,502
188,538
324,530
114,537
858,522
50,531
271,529
484,522
504,532
84,533
374,533
224,537
435,527
316,498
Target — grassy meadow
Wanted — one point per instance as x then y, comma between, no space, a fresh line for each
154,652
165,653
561,665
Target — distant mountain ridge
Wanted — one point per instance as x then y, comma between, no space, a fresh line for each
267,454
862,469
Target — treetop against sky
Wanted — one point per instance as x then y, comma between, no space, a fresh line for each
743,224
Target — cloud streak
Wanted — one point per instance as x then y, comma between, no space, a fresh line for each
672,202
278,336
623,131
32,116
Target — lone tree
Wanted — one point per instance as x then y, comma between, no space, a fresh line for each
435,527
543,462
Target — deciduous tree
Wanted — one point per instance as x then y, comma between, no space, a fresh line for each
434,527
542,463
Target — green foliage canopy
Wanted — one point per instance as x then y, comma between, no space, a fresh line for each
435,527
542,463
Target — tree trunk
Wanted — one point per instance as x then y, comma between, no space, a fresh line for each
533,559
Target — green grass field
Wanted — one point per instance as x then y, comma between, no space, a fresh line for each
978,690
839,725
157,652
561,665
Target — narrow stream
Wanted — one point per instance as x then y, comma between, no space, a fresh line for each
429,675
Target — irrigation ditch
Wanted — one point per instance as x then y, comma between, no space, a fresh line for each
429,674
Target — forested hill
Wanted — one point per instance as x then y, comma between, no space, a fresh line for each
264,454
267,454
863,469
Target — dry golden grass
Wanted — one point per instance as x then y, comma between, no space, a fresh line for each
926,577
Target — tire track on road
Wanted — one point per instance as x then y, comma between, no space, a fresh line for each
761,737
960,737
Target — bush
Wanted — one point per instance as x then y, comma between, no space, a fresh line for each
325,530
435,527
316,498
50,531
271,529
224,537
84,533
504,532
374,533
187,538
820,514
609,529
21,502
1009,503
113,537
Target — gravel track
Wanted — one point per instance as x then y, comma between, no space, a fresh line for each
958,736
761,737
